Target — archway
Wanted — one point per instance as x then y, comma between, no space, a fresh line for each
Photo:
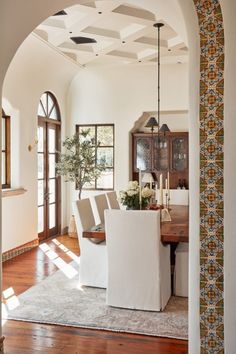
211,161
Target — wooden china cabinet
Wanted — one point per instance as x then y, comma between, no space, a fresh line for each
160,154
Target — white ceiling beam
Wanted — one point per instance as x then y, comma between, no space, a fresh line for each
175,42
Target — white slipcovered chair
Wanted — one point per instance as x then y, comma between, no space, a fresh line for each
112,200
101,204
138,263
181,270
93,257
179,197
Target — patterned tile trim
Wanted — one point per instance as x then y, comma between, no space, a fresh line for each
18,250
211,176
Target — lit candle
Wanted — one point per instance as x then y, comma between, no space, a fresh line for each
161,190
156,194
150,182
168,183
140,187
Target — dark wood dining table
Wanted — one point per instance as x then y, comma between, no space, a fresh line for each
174,231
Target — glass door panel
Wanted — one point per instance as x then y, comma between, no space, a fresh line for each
48,183
161,153
179,154
143,154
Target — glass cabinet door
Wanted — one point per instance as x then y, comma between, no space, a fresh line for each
179,154
142,158
161,153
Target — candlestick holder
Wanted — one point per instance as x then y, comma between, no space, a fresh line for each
167,199
169,202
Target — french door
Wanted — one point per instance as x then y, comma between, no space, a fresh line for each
48,182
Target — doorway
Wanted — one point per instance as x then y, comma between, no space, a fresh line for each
49,126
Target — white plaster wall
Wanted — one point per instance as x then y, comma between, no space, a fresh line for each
35,68
120,95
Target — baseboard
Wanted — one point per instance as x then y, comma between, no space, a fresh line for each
19,250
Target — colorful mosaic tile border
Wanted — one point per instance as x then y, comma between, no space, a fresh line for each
211,176
19,250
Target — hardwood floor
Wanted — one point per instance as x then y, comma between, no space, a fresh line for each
32,267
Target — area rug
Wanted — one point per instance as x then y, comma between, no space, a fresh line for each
62,301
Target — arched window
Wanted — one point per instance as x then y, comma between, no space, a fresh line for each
49,125
6,151
48,107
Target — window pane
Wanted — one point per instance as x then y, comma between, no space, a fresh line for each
43,99
105,155
3,168
105,135
40,166
53,114
52,140
41,111
91,134
3,133
52,216
106,180
40,219
52,190
40,193
50,104
40,139
52,160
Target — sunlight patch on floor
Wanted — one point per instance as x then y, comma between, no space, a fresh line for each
11,302
51,254
66,268
44,247
71,254
8,292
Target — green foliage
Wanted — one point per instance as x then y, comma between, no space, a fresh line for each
78,161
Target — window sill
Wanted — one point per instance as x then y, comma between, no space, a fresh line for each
11,192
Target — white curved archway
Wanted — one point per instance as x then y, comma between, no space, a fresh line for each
25,24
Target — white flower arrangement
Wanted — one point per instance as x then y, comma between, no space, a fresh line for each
131,197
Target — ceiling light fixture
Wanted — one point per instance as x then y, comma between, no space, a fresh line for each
60,13
83,40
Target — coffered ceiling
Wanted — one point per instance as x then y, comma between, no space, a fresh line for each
124,34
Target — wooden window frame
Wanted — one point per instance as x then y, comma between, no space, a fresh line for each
7,151
96,126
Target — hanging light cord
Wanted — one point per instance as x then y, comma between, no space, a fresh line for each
158,26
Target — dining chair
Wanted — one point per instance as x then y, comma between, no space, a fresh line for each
138,263
93,257
179,197
112,200
101,204
181,270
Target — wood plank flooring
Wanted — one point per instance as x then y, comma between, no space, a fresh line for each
28,269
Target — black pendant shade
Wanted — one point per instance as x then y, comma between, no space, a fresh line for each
164,128
83,40
152,122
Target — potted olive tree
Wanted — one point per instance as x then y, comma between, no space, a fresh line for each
77,162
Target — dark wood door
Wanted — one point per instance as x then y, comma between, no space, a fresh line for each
48,183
